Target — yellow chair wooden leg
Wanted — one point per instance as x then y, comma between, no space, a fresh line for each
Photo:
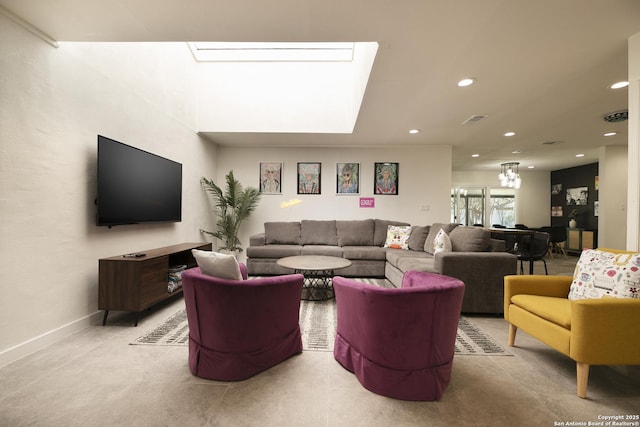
512,334
582,370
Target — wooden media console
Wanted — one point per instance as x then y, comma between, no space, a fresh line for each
135,282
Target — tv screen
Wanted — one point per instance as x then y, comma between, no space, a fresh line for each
135,186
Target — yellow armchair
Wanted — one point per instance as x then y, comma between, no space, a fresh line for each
590,331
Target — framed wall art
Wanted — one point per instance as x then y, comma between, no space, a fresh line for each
309,175
577,196
271,177
348,178
386,178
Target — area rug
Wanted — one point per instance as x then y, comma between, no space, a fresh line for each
318,326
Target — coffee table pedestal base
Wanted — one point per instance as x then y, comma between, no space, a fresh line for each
318,285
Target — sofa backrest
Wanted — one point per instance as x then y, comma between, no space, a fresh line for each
355,232
319,232
282,233
470,239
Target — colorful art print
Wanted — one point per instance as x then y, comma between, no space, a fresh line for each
386,178
271,177
309,175
348,178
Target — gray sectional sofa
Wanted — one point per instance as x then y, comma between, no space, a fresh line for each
476,259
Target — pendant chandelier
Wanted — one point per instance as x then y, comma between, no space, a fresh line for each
509,175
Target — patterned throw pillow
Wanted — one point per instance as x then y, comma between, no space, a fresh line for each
442,242
398,237
606,274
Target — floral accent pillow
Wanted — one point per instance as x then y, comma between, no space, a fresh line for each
442,242
398,237
601,274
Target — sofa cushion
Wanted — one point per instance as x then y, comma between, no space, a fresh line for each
326,250
398,237
426,263
375,253
395,255
319,232
433,232
442,242
418,236
282,233
273,251
470,239
380,230
606,274
355,233
217,265
555,310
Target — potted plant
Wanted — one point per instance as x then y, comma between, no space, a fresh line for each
233,206
573,216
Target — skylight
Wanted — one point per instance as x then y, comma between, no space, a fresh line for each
267,51
281,87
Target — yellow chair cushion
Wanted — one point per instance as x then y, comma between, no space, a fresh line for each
555,310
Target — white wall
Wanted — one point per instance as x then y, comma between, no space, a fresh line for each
612,181
424,179
633,198
533,198
53,103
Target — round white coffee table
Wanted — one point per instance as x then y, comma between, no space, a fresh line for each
317,271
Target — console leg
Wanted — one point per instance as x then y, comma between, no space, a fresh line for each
137,318
104,319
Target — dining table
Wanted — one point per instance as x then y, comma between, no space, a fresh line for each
519,233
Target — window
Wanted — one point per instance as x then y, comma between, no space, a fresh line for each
469,206
502,206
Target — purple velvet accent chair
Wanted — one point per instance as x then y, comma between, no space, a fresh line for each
399,342
238,328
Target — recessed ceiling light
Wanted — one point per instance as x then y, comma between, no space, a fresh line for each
619,85
413,131
509,133
610,134
580,155
516,152
475,155
466,82
531,167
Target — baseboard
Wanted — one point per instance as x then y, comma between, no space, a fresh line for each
28,347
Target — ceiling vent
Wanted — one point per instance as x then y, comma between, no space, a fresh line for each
551,142
474,119
617,116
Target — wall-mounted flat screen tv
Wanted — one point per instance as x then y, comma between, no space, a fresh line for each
135,186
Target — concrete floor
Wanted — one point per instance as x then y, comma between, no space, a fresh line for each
95,378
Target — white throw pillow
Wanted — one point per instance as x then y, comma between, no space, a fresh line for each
217,265
442,242
398,237
606,274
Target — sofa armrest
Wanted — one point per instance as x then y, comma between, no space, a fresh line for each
604,331
482,273
257,239
478,263
548,286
